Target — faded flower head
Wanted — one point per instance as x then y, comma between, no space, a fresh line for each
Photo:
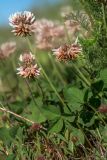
28,68
48,33
6,49
61,52
22,23
67,52
103,108
36,127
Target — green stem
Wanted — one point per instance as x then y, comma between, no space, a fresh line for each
30,91
104,18
66,32
32,95
45,75
85,135
40,88
81,75
97,114
56,70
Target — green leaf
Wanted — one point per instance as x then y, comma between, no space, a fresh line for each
35,113
86,118
71,146
51,112
77,136
61,137
13,131
97,87
57,127
11,157
104,134
5,135
39,101
75,98
68,118
20,133
95,102
17,107
87,94
103,76
67,134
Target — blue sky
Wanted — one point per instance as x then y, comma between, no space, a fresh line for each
8,7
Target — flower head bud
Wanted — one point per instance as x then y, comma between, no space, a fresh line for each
27,58
103,109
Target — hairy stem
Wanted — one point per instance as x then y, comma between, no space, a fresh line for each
56,70
32,95
81,75
45,75
30,91
104,18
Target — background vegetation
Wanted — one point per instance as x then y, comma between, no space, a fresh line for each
71,120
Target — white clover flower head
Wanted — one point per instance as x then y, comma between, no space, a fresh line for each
22,23
28,68
29,71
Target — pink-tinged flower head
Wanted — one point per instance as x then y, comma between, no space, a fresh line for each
22,23
27,58
67,52
29,72
28,68
61,52
48,33
6,49
74,50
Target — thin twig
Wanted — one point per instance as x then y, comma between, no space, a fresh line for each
3,109
14,114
